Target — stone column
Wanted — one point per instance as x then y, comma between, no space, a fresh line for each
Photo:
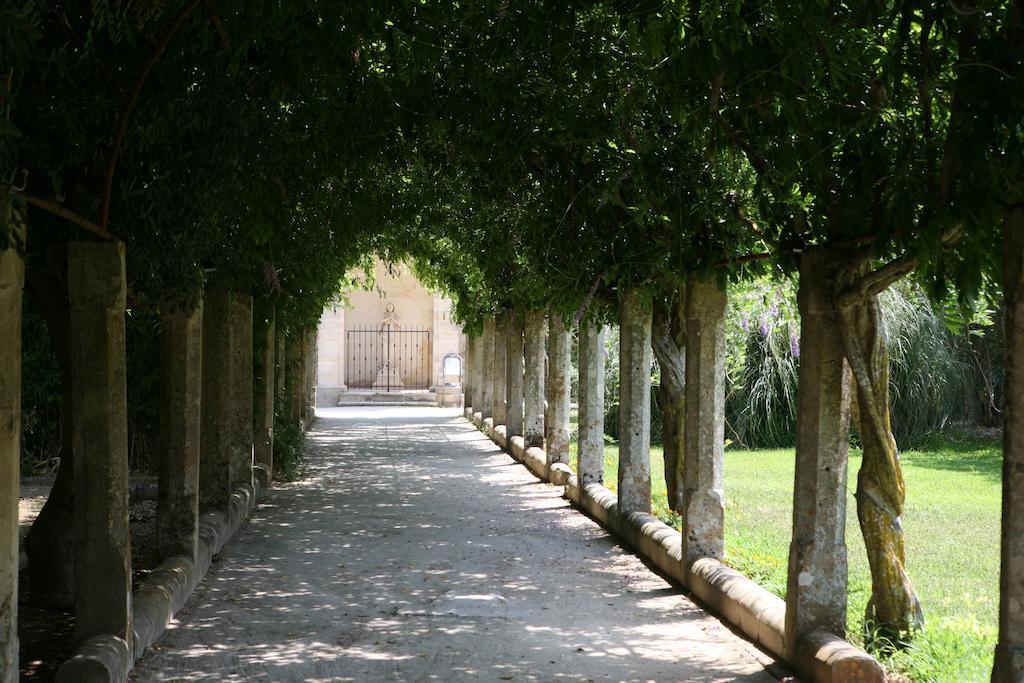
590,469
703,509
308,376
467,373
558,389
217,402
263,379
487,395
103,557
499,410
1009,660
242,391
181,389
635,358
817,582
281,377
533,381
440,310
514,376
12,278
478,373
293,378
314,356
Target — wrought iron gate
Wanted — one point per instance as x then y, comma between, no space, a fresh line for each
385,359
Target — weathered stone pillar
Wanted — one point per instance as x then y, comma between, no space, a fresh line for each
499,372
590,469
487,365
314,354
263,382
242,391
181,389
635,356
477,361
533,382
217,402
468,377
703,509
294,377
308,398
1009,660
12,278
514,376
558,389
103,558
281,379
817,583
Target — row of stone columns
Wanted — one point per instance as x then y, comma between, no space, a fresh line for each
207,426
816,595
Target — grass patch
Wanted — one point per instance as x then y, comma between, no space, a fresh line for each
952,526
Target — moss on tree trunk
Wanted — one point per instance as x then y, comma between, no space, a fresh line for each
893,611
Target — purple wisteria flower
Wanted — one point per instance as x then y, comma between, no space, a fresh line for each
794,344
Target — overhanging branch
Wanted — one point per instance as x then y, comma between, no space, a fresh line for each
122,124
70,216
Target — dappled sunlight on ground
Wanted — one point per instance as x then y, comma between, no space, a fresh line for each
416,550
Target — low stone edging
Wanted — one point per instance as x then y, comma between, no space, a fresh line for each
107,658
757,613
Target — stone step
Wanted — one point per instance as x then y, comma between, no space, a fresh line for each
365,398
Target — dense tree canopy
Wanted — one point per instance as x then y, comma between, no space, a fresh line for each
524,155
273,144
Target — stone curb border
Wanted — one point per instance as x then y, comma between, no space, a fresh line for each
820,656
108,658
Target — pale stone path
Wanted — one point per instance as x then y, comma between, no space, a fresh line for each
417,550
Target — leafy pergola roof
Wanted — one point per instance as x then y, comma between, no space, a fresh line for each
521,154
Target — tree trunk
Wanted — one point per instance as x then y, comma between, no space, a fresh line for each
668,340
50,544
1009,655
893,610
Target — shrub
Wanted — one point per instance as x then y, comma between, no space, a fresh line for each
289,463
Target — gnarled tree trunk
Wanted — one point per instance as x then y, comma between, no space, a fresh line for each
894,610
668,340
50,544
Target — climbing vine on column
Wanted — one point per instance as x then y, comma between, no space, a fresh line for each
893,611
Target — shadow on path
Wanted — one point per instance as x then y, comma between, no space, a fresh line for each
417,550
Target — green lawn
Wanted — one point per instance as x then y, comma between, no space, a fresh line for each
952,527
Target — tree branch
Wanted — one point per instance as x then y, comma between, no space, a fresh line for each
880,279
215,20
122,124
740,260
585,304
70,216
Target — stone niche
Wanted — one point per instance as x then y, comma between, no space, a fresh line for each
392,338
